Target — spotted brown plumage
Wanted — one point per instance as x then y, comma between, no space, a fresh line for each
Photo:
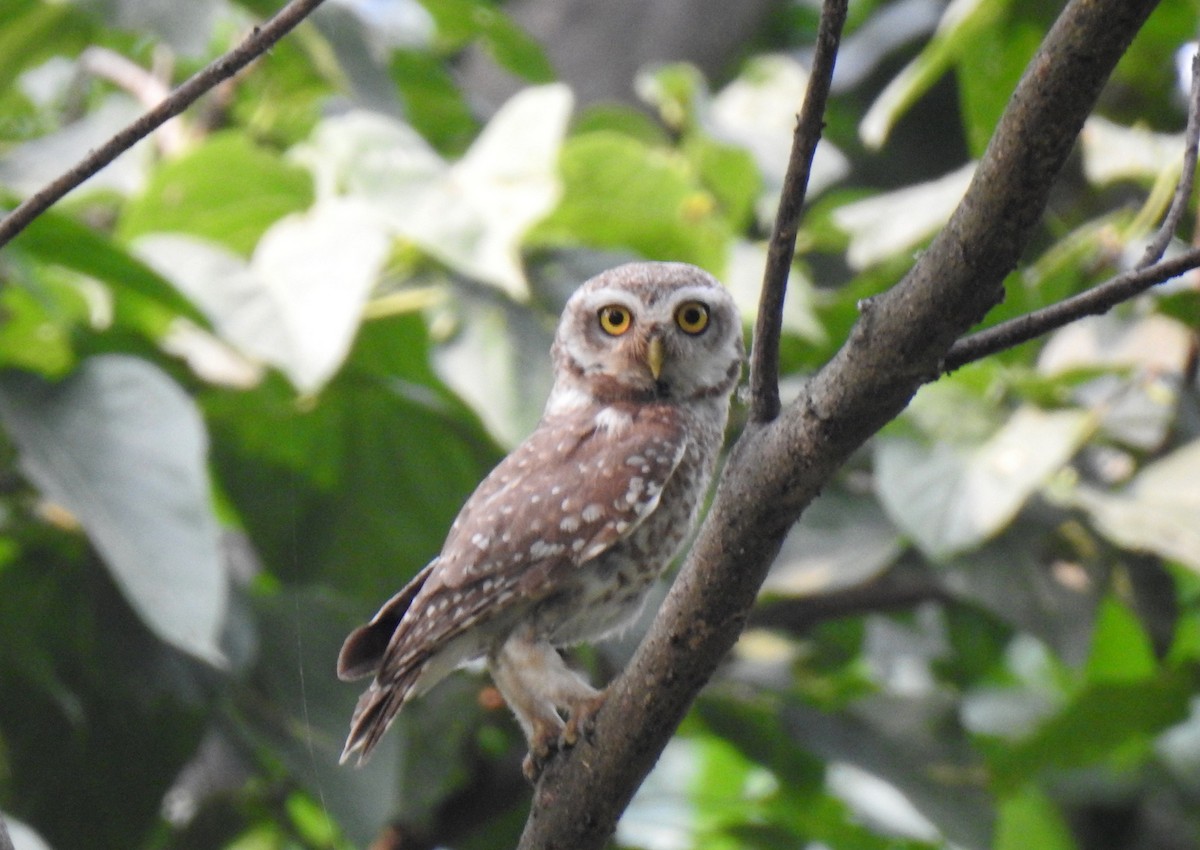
560,543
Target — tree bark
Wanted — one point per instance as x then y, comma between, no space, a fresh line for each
778,467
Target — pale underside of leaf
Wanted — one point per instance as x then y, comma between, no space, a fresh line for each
952,497
120,446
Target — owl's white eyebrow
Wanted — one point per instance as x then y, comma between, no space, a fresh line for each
699,293
608,295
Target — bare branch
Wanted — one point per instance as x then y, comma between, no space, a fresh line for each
777,467
904,585
1148,272
1099,299
764,358
1183,190
253,46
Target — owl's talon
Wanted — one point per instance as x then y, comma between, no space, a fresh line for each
535,761
582,721
542,747
532,767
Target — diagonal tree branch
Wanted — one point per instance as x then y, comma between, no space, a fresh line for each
1093,302
778,467
764,358
221,68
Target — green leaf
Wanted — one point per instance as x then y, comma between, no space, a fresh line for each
472,215
1156,511
758,731
1029,819
756,112
883,226
840,540
1183,306
461,21
730,173
298,302
148,300
956,33
27,167
1009,577
951,498
33,31
357,486
1145,66
227,190
912,745
35,328
497,361
96,685
291,85
1121,649
1112,722
121,447
418,763
988,72
432,102
620,193
615,118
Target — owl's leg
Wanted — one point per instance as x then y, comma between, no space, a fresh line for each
536,682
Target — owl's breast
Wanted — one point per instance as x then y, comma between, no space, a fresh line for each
606,593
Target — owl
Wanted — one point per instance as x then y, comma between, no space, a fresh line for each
561,542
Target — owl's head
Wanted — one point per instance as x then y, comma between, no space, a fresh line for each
645,332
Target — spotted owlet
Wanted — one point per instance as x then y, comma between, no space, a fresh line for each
561,542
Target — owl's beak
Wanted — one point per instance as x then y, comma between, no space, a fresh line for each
654,356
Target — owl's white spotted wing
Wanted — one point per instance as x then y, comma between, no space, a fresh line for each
581,483
577,486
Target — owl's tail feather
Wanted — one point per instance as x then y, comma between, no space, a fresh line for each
362,653
374,713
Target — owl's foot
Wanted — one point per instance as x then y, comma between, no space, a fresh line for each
582,721
543,745
548,739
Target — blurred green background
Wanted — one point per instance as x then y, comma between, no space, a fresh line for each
249,373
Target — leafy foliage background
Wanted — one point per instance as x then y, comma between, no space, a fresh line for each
251,371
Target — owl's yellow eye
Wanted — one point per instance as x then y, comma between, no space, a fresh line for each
615,319
692,317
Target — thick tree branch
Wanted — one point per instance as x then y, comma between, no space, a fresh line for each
764,358
253,46
776,468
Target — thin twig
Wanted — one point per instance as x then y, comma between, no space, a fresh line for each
1097,300
1183,190
225,66
764,359
1150,271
